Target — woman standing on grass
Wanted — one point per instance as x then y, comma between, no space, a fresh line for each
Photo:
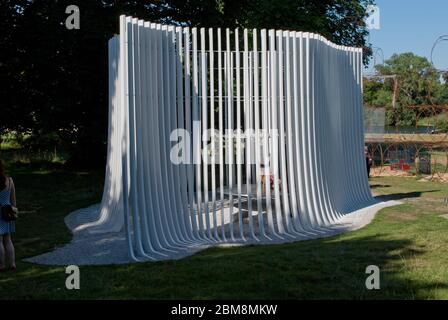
7,197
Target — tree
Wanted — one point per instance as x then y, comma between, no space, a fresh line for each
418,79
418,84
56,79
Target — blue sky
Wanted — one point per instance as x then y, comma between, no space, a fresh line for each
412,26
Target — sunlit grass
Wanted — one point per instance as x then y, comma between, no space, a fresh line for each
408,242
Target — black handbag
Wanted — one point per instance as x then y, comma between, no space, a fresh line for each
8,213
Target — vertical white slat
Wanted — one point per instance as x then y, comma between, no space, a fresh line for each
301,132
257,134
168,110
159,124
311,144
149,203
325,111
343,175
274,125
166,122
328,132
171,113
178,123
212,130
307,132
142,241
330,179
348,118
197,132
320,113
110,160
133,125
351,196
107,210
181,126
117,219
162,88
129,147
177,113
233,121
221,136
247,128
125,66
129,120
163,138
340,150
265,126
225,137
350,87
238,131
328,143
351,84
359,92
358,144
167,85
204,120
156,100
156,227
188,123
142,139
226,71
281,128
229,80
336,149
314,133
298,92
111,217
251,116
346,93
359,111
305,117
290,98
109,213
336,183
326,147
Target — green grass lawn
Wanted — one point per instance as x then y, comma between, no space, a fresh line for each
408,242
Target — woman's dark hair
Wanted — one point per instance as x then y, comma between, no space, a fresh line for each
2,176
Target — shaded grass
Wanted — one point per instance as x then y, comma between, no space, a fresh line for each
408,242
46,193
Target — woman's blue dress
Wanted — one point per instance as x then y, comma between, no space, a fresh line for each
5,198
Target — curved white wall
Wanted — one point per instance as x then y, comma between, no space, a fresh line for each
302,91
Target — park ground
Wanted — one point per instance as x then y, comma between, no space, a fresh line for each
408,242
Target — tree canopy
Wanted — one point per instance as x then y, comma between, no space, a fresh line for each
419,83
55,80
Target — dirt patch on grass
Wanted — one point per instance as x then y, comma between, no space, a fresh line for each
441,177
386,171
403,216
429,206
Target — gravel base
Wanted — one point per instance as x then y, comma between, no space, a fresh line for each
111,248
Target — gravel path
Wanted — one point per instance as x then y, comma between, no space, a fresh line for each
111,248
